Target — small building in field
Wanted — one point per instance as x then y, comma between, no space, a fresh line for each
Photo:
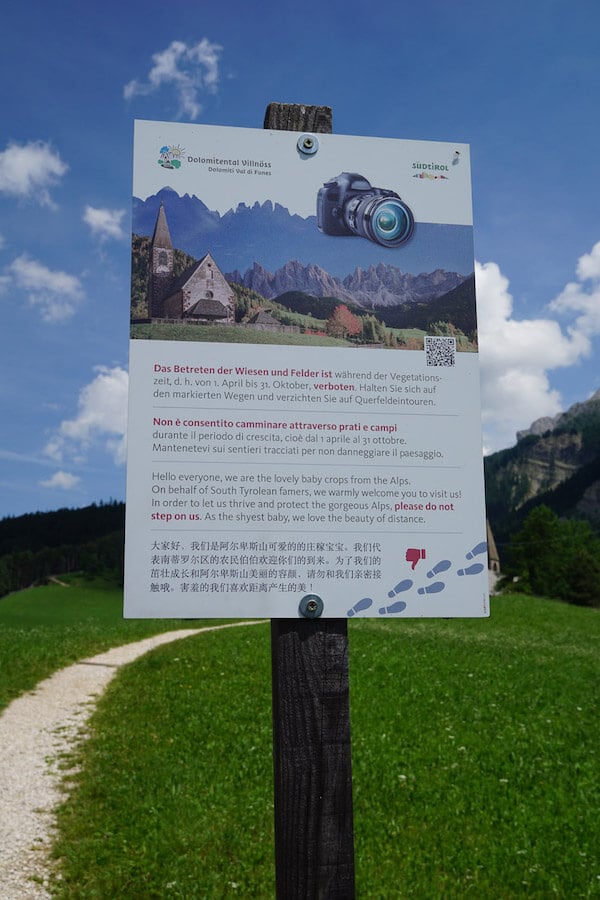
264,319
493,556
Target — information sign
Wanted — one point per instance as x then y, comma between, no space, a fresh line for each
304,413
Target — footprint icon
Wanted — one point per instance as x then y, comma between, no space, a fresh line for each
398,606
442,566
365,603
402,586
471,570
477,549
434,588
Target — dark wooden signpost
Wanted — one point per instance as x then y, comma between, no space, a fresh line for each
314,841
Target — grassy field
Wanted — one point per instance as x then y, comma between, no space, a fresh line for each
475,754
230,334
481,777
46,628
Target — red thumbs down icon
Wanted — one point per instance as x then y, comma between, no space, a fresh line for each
413,555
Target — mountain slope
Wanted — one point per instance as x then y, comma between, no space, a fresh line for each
555,462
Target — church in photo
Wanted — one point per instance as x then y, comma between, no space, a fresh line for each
200,293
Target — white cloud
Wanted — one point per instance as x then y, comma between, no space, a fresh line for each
575,299
588,265
56,293
101,418
62,480
29,170
190,69
515,358
105,223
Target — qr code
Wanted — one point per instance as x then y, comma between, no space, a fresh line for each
440,351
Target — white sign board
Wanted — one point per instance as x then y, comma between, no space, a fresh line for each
304,413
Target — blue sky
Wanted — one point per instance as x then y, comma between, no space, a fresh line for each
519,82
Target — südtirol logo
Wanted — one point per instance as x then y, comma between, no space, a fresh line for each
431,171
170,157
435,171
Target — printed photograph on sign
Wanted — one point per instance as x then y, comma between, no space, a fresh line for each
364,272
277,449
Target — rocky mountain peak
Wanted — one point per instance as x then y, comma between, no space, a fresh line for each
378,285
556,461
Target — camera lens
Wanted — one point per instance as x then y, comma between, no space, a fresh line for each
388,222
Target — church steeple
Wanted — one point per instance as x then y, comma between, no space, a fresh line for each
160,276
162,237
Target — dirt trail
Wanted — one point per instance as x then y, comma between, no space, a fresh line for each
35,730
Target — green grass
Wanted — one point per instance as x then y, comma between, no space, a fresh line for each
46,628
482,778
181,798
230,334
407,334
475,754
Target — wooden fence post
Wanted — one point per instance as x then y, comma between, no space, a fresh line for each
314,841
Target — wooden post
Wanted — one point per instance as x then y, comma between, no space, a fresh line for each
314,841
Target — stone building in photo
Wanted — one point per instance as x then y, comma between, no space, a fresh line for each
201,293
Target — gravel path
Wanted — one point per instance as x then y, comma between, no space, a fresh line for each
34,731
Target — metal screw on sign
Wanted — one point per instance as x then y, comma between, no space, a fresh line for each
311,606
307,144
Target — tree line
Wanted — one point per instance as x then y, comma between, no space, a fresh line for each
38,545
553,557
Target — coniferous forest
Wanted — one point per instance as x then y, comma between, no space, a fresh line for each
37,546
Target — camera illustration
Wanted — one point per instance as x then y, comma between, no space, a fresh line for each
348,205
